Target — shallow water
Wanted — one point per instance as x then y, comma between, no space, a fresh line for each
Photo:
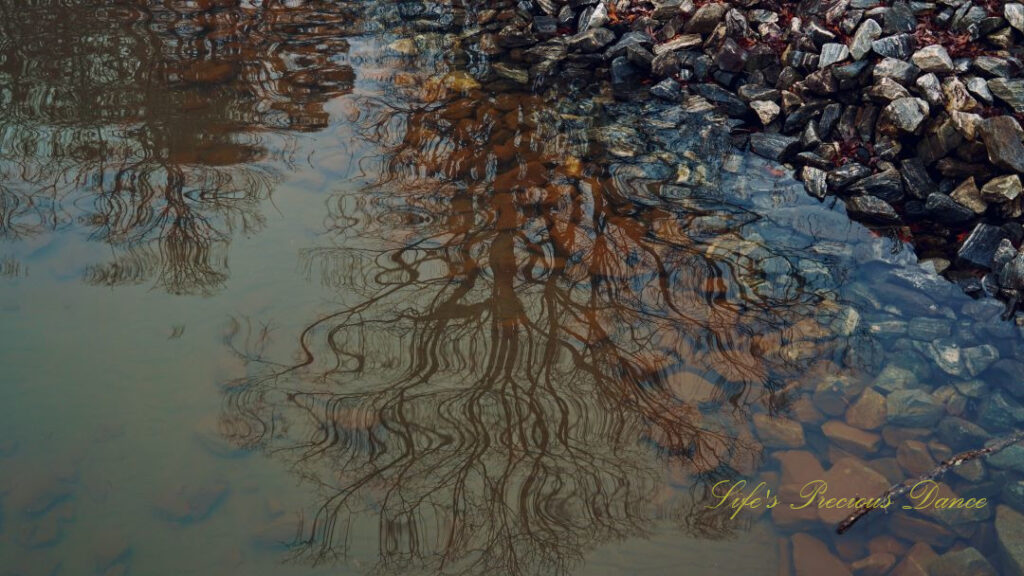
305,289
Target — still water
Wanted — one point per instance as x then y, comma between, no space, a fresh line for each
308,288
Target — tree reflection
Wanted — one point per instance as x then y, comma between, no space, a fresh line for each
147,124
522,350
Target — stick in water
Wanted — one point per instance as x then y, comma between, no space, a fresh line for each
897,490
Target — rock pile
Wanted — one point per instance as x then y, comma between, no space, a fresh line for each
909,111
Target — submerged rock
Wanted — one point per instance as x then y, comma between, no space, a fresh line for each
913,408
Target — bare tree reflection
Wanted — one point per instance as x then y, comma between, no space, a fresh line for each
148,124
520,349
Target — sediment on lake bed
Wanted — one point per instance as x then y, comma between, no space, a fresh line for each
908,111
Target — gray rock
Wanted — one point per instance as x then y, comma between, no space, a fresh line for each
665,64
1008,374
993,66
842,177
1013,495
912,408
966,562
592,40
928,329
905,114
1002,137
981,245
999,412
1002,189
944,209
773,146
886,90
940,138
595,18
916,180
979,89
1010,536
967,194
871,209
933,58
814,181
931,89
886,185
1009,91
960,434
1014,14
623,71
977,359
866,34
680,42
629,40
900,18
896,46
722,98
898,70
752,92
832,53
1010,458
668,89
706,18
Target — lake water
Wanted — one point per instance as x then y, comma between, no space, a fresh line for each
309,288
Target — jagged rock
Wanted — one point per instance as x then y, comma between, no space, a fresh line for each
866,34
967,194
680,42
512,73
766,110
706,18
1014,14
1010,535
592,40
898,70
1002,137
931,89
887,90
669,90
905,115
623,71
721,97
545,26
966,123
629,40
840,178
981,245
933,58
979,89
939,140
595,18
752,92
1009,91
1002,189
871,209
993,66
916,180
730,56
896,46
773,146
640,57
822,82
665,64
944,209
832,53
912,408
886,185
961,563
814,181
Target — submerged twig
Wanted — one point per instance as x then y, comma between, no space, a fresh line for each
897,490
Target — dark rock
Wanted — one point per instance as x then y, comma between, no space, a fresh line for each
960,434
629,39
545,26
886,185
721,97
639,56
804,61
980,246
592,40
896,46
706,18
885,90
665,64
842,177
993,66
961,563
668,89
822,82
752,92
1000,412
1002,137
1002,189
512,37
814,181
871,209
1009,91
1008,374
731,57
912,408
944,209
916,180
773,146
797,119
623,71
899,18
939,140
898,70
829,117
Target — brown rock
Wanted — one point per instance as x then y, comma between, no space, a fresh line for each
895,435
874,565
778,432
915,458
691,388
849,478
868,412
798,467
903,525
851,439
886,545
916,561
785,558
812,557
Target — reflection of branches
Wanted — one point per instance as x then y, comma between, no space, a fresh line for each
149,123
524,344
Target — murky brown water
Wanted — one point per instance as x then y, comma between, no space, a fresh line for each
456,325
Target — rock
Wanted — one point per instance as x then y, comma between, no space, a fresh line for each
1002,137
778,432
886,185
594,19
665,64
623,72
917,559
1010,458
592,40
933,58
722,98
913,408
766,110
928,329
977,359
821,82
979,88
1010,535
981,245
1013,495
876,564
916,180
868,412
517,75
1002,189
832,53
944,209
811,557
939,140
853,440
681,42
905,114
866,34
668,89
1009,91
849,478
841,178
998,411
730,56
931,88
871,208
773,146
1006,373
914,458
957,96
886,90
993,66
898,70
968,195
1014,14
752,92
899,46
966,562
706,18
629,40
640,57
814,181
